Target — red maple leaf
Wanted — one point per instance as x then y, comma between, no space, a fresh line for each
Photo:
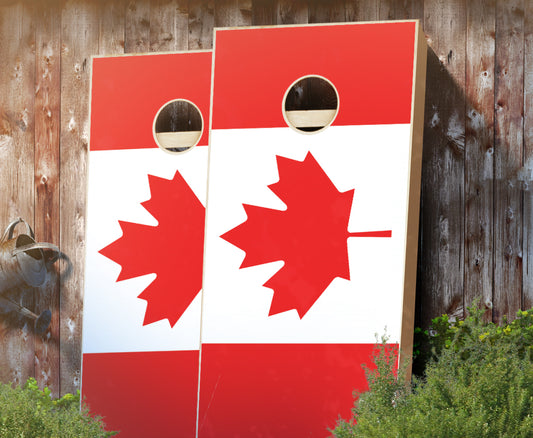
173,249
310,236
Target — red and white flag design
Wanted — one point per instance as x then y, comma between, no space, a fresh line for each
305,234
145,239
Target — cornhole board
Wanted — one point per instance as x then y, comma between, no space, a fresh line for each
145,228
311,238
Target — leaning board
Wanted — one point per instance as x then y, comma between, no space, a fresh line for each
145,232
311,236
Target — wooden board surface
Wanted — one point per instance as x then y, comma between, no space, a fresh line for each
508,157
47,172
17,172
442,237
479,153
476,211
78,18
527,287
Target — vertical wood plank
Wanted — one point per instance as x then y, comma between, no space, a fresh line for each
509,95
442,234
169,25
401,9
17,49
229,13
292,12
201,23
362,10
80,28
263,12
417,10
527,289
332,11
388,9
137,27
479,153
111,34
47,219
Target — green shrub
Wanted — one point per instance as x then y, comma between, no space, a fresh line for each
478,384
29,412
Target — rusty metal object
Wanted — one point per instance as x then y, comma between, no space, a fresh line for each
23,263
41,322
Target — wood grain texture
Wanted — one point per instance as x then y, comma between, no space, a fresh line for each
79,38
201,23
442,236
137,27
527,288
47,172
230,13
508,156
263,12
479,153
292,12
332,11
17,71
392,9
111,29
362,10
401,9
413,212
169,26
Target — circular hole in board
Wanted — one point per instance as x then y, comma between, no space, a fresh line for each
310,104
178,126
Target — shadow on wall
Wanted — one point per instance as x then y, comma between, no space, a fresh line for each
476,203
441,254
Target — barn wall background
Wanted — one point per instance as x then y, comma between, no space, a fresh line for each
476,230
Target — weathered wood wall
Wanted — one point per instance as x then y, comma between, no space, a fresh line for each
476,229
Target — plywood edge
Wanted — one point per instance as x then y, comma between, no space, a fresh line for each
413,201
86,200
181,139
136,54
86,216
296,25
202,291
310,118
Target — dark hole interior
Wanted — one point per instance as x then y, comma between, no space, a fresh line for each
178,116
311,93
